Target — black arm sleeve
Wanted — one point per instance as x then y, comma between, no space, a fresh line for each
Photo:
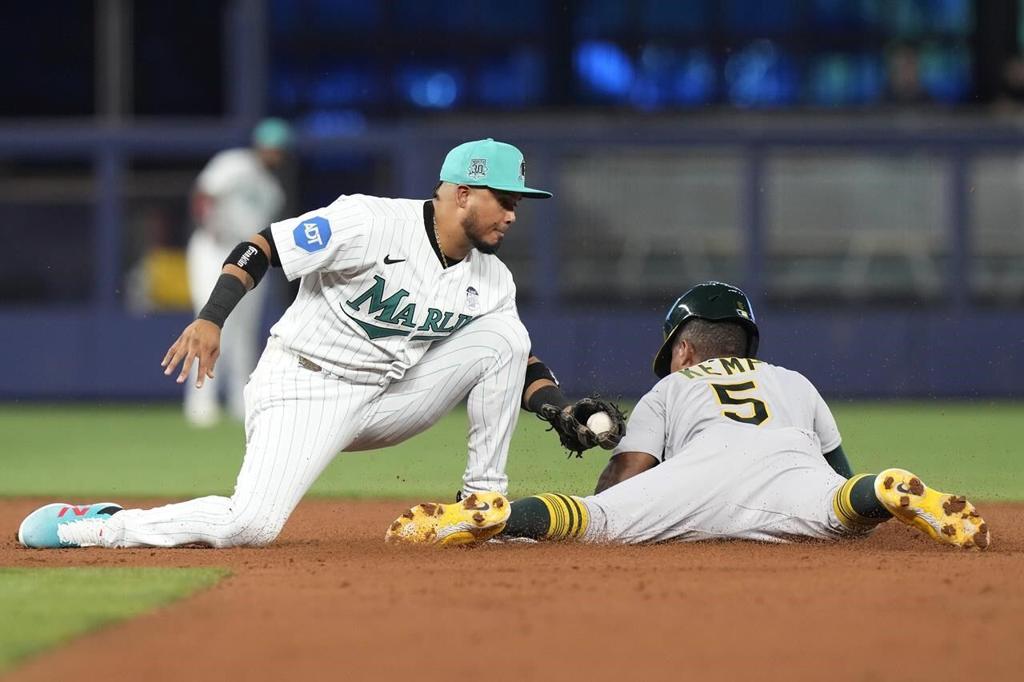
551,395
275,257
546,395
226,294
837,460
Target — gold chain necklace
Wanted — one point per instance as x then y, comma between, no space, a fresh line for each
437,238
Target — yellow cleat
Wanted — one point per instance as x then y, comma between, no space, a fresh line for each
477,518
946,518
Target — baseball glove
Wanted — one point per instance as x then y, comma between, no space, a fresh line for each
570,423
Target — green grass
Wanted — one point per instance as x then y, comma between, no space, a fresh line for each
974,448
86,452
43,607
82,453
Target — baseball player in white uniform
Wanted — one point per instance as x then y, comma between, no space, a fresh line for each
403,312
725,446
234,192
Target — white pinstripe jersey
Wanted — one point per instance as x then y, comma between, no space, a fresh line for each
742,392
373,294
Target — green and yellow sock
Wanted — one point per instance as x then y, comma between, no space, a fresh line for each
856,504
551,516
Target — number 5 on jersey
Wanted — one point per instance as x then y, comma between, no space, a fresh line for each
731,394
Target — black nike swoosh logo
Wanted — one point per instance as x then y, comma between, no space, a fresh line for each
389,261
902,487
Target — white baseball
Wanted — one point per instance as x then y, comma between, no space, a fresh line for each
599,423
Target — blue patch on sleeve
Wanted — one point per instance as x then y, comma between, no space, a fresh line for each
312,234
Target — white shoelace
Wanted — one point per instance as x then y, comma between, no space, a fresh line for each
84,533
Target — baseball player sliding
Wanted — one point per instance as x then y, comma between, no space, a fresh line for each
724,446
403,311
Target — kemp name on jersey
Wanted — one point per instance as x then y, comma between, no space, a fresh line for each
398,317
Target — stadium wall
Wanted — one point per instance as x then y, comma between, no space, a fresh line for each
83,354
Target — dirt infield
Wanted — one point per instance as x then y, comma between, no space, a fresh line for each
330,601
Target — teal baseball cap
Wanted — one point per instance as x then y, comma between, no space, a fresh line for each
272,133
488,163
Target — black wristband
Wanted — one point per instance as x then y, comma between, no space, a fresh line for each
223,299
546,395
538,370
250,258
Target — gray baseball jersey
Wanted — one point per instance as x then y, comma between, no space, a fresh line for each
740,445
732,391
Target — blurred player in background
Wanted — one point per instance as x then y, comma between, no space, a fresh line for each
235,191
723,447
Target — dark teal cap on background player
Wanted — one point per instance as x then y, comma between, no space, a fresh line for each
487,163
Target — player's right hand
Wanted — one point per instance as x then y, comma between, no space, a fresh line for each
200,341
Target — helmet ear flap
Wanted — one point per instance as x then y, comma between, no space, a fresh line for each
663,358
753,340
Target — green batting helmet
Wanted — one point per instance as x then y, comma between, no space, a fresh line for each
712,301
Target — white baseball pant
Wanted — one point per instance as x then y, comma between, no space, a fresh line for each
731,482
298,420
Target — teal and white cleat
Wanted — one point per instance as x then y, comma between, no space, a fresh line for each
61,524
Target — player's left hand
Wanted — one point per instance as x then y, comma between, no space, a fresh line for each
200,341
570,424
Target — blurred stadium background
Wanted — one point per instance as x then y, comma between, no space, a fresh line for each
855,165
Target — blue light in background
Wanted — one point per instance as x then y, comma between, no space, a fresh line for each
668,76
844,79
604,69
695,80
654,69
430,88
645,93
327,123
761,75
946,73
647,54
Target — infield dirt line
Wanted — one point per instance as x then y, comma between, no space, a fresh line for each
330,601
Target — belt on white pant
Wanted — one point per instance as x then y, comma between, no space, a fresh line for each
306,363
